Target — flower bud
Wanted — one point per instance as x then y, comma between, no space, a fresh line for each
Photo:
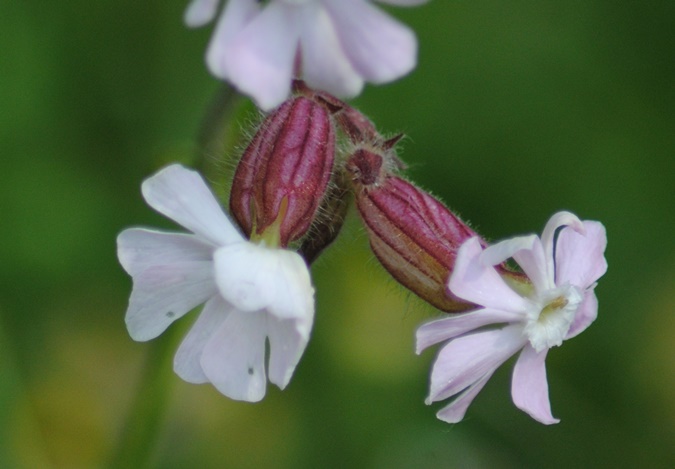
283,173
329,221
413,235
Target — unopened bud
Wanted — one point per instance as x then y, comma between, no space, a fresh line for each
283,173
413,235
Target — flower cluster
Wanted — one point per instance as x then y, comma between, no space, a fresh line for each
310,157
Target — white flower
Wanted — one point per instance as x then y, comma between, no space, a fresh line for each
340,44
558,304
250,292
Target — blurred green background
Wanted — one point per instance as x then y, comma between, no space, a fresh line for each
516,110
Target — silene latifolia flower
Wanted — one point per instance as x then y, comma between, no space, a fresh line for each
250,292
556,303
334,45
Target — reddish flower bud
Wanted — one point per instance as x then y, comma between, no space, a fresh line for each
283,173
413,235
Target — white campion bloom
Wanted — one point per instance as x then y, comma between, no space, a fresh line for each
557,305
340,44
250,292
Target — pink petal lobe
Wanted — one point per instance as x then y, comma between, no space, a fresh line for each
288,339
139,249
585,315
183,196
529,387
233,359
556,221
457,324
474,281
380,48
259,61
465,360
236,15
324,64
455,411
200,12
580,257
161,294
186,362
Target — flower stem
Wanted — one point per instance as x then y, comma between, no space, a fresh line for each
141,429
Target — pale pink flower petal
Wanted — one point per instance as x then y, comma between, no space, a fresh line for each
186,363
586,314
580,257
474,281
259,61
324,63
288,339
182,195
380,48
200,12
457,324
237,15
455,411
529,387
234,357
467,359
138,249
253,277
547,236
163,293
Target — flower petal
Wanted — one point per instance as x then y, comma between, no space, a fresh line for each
186,363
478,283
449,327
556,221
200,12
529,387
260,60
163,293
236,15
380,48
454,412
182,195
465,360
288,339
233,359
580,257
139,249
499,252
585,315
254,277
324,64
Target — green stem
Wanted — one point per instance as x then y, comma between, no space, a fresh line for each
141,428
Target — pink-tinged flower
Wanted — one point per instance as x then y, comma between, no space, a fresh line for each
339,43
250,292
557,304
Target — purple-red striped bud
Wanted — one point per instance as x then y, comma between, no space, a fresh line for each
413,235
283,173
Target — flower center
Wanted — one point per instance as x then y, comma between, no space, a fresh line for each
551,316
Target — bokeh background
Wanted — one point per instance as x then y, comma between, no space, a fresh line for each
516,110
